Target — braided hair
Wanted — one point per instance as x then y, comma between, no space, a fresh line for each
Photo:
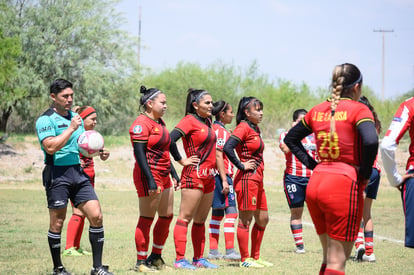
344,78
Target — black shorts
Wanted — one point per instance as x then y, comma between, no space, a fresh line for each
295,190
66,182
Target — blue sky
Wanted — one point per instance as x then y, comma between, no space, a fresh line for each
295,40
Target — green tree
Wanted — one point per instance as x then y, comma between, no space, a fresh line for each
10,50
79,40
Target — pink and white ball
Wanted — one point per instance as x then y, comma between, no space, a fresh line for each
90,143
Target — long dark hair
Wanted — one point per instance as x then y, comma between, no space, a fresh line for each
364,100
244,103
194,95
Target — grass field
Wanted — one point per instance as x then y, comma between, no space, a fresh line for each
24,222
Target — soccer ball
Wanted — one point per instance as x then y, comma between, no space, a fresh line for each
90,143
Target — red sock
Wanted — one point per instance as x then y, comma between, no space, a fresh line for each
369,242
257,237
79,233
297,233
214,231
73,227
333,272
229,230
180,238
142,236
360,239
160,233
322,270
243,239
198,237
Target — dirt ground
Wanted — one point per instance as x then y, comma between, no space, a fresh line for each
21,163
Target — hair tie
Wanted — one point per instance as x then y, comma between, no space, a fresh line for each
151,97
200,95
88,111
224,107
250,102
355,82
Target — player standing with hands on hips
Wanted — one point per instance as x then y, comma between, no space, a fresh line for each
77,220
248,182
295,180
347,145
197,176
58,130
151,142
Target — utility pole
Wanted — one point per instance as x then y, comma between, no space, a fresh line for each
139,40
383,59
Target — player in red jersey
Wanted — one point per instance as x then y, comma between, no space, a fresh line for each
347,145
197,176
248,182
77,220
224,201
295,180
364,244
151,142
402,122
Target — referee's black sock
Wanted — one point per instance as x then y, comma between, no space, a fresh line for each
96,238
54,245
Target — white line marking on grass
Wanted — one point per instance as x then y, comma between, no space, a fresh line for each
383,238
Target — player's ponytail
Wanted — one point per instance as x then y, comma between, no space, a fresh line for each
337,81
344,79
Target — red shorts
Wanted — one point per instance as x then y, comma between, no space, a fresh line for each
335,203
206,185
141,184
250,194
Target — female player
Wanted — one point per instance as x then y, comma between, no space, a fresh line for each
403,121
224,201
248,182
295,180
197,177
77,221
151,142
364,244
347,145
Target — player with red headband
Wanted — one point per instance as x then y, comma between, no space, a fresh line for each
77,220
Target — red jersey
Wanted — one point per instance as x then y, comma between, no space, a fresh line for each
222,135
345,145
156,136
251,146
198,139
293,165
